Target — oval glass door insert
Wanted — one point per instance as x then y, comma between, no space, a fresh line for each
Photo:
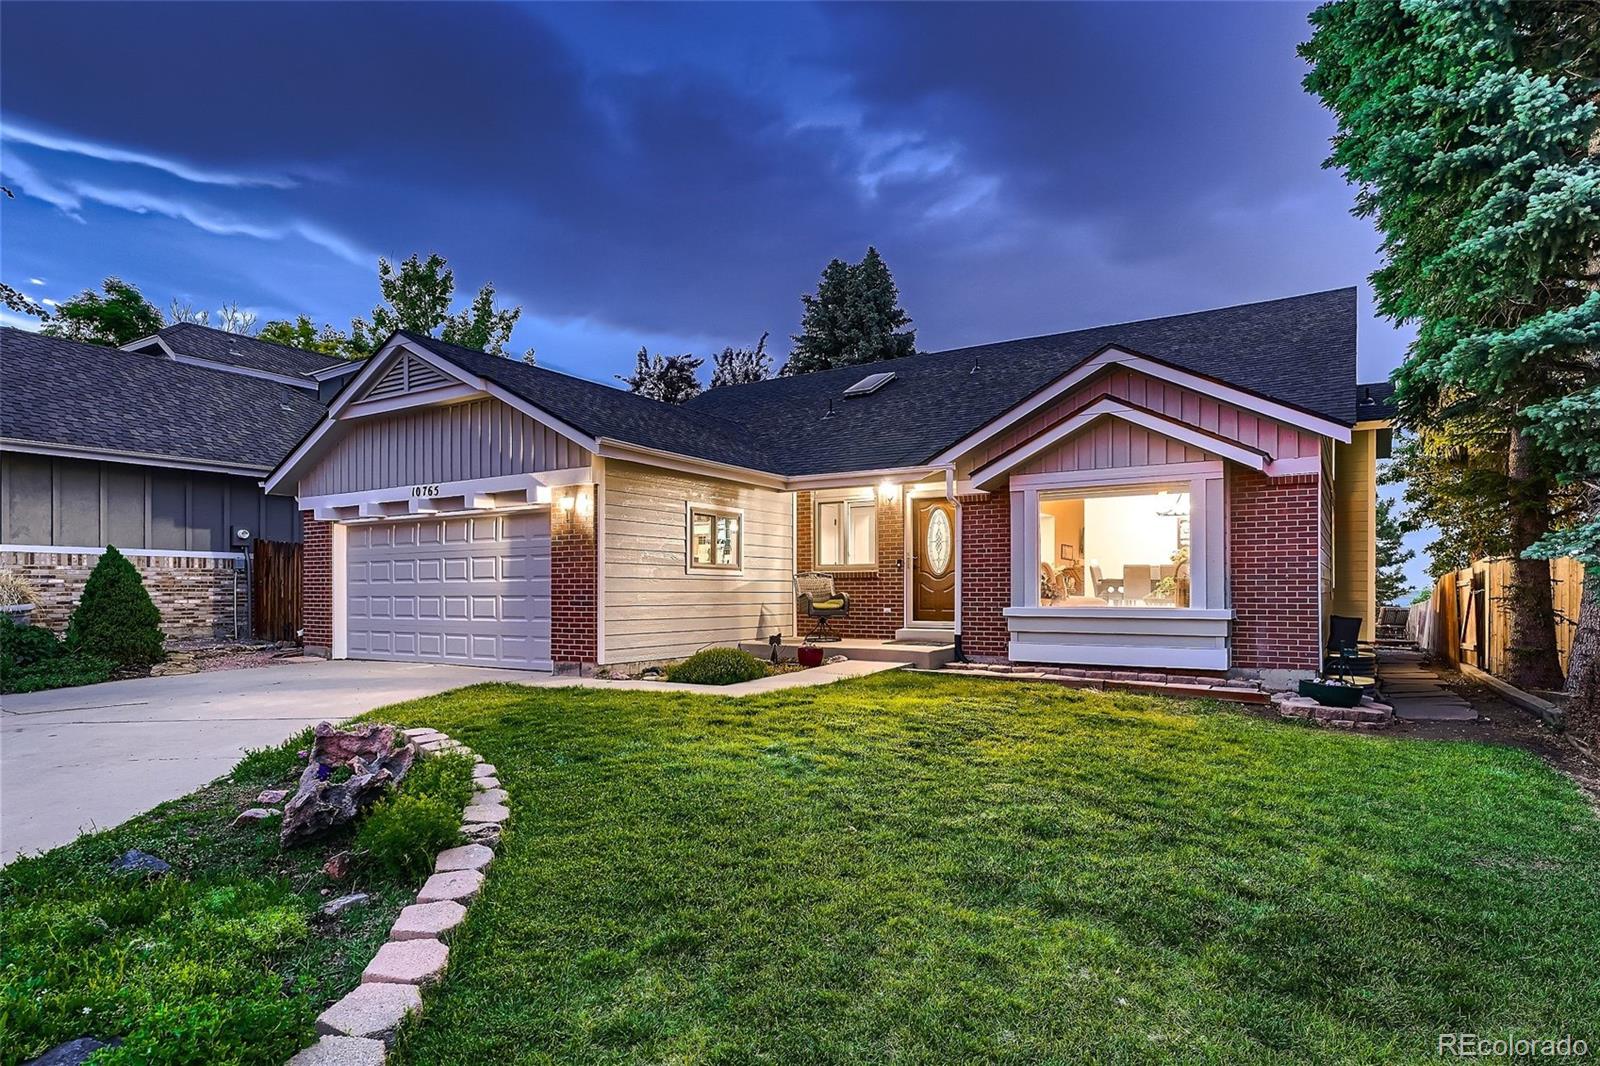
939,543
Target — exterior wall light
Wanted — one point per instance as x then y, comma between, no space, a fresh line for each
886,490
568,503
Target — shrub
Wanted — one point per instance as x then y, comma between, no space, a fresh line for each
23,646
403,833
116,618
717,666
32,660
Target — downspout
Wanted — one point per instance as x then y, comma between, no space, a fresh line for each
950,494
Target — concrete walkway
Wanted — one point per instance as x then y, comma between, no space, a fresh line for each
84,758
1412,687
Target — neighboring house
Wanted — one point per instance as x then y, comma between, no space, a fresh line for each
1192,493
160,450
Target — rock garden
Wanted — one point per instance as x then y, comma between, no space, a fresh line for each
293,911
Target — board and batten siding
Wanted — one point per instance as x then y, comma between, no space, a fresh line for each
1112,442
89,503
1355,531
452,442
656,609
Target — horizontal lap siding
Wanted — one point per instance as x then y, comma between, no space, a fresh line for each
453,442
654,608
1113,444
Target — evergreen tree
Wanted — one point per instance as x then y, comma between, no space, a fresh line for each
120,316
668,378
1393,555
855,317
116,619
1466,129
741,366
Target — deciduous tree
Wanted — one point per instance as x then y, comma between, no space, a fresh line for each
668,378
741,366
121,315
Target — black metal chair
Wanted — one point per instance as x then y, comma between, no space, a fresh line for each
819,600
1342,656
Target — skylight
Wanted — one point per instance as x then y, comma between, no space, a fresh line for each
870,384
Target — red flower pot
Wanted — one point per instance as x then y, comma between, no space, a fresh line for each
809,655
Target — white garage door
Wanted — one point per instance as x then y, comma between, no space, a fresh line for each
451,590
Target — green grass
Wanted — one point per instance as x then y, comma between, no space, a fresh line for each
219,961
913,870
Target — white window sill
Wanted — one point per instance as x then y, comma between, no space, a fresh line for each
1220,615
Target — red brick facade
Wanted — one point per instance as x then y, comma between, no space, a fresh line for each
1273,571
316,584
877,596
574,593
985,574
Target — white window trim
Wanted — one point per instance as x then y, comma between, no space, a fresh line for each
866,496
1025,510
690,509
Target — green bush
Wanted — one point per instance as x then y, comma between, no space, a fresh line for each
116,618
717,666
402,834
32,660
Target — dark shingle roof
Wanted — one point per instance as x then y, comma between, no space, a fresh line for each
1375,400
1299,351
602,411
55,391
235,349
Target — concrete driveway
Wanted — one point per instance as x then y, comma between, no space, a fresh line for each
89,758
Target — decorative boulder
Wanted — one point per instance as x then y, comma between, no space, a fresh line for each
377,756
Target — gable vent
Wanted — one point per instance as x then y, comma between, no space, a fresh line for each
407,375
870,384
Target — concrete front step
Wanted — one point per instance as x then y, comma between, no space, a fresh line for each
917,654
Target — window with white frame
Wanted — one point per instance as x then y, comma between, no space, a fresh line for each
1115,547
847,532
716,539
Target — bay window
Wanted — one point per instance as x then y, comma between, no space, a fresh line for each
1115,547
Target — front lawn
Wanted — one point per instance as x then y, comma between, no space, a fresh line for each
911,869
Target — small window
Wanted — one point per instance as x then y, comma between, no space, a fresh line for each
716,539
847,533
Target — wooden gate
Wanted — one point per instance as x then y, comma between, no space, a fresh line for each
275,590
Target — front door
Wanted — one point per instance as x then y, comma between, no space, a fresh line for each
933,560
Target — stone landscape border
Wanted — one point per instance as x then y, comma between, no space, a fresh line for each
359,1029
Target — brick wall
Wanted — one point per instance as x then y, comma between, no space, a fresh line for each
878,596
195,596
574,599
316,584
985,574
1273,571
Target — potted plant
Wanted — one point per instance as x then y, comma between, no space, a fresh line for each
808,655
1332,691
17,597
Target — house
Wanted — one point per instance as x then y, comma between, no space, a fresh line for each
1192,493
159,449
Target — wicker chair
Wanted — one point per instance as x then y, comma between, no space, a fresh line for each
819,600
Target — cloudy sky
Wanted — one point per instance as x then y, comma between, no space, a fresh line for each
677,176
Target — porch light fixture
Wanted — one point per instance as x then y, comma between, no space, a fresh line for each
886,490
568,503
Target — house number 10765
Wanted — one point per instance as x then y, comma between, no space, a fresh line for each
420,491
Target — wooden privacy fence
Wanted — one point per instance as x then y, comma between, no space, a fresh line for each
1468,617
275,590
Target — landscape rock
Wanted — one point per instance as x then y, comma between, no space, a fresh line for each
173,669
374,1011
72,1053
458,885
484,784
427,921
485,833
337,867
334,906
376,755
421,732
493,795
407,962
272,797
342,1051
486,812
467,857
255,814
135,861
484,769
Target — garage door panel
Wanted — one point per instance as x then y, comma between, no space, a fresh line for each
466,590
